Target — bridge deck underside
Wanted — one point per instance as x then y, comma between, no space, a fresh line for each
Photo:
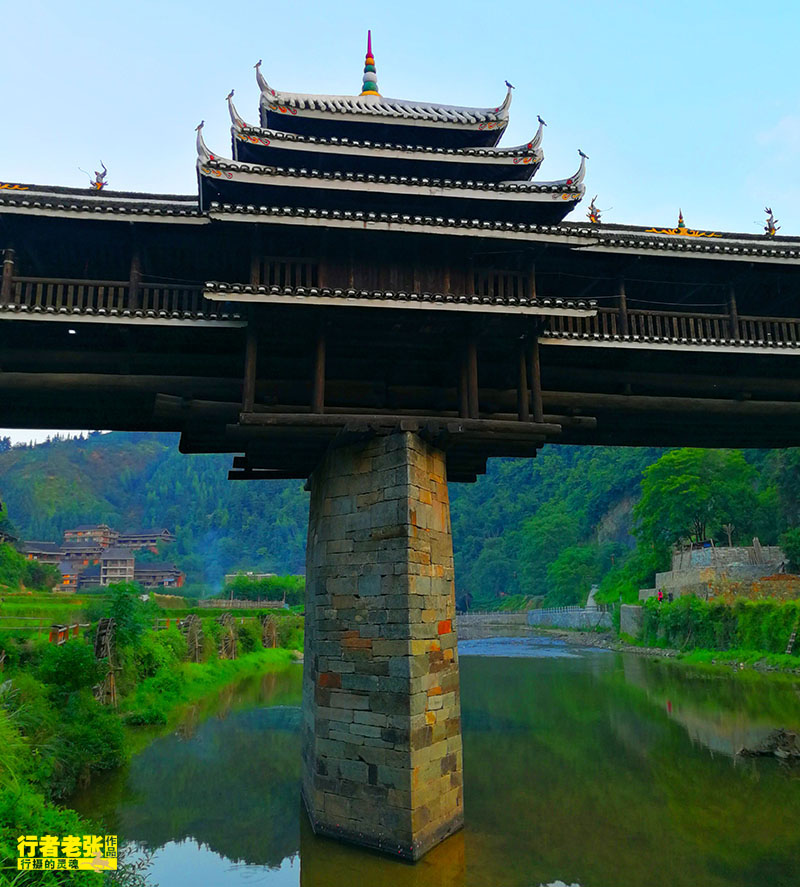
384,368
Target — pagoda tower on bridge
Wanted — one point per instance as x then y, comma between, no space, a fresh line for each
375,154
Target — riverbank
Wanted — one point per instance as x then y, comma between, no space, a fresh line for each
734,659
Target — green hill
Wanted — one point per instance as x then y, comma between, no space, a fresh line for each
566,513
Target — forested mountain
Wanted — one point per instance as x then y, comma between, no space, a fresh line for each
547,525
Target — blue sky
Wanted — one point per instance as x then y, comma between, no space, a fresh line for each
692,105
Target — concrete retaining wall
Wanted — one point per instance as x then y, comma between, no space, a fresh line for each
571,617
631,620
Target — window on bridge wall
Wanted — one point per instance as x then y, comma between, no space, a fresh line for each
283,271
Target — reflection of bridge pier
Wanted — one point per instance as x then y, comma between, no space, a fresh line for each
382,720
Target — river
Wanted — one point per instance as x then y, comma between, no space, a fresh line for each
585,766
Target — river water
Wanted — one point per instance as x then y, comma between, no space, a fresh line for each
582,766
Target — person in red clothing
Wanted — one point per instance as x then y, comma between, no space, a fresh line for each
660,595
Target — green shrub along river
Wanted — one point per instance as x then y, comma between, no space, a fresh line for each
747,631
54,734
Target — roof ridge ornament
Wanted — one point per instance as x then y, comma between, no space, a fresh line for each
203,154
772,226
506,103
235,118
97,184
577,179
594,213
369,82
262,83
536,141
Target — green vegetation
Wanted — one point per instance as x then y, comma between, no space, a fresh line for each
132,480
18,572
545,528
155,698
759,627
54,734
271,588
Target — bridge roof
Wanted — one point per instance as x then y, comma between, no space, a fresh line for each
238,292
370,107
60,202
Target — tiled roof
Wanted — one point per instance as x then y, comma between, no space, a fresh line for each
44,547
156,568
117,553
402,299
604,237
528,149
756,345
383,107
123,315
571,185
99,203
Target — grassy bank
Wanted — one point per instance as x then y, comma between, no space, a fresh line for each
155,698
54,734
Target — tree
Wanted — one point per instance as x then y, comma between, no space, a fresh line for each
691,493
572,574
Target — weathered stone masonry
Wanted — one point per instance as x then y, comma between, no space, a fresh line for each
382,718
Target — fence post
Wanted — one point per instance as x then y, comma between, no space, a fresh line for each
8,274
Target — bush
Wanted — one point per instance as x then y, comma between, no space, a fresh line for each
70,666
248,636
689,623
90,738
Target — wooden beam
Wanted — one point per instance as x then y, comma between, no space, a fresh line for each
536,379
463,383
266,474
523,387
405,423
318,383
135,275
8,274
473,406
593,402
622,305
250,365
733,315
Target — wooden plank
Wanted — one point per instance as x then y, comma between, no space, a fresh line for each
250,365
9,258
473,407
536,380
622,307
318,382
380,420
523,388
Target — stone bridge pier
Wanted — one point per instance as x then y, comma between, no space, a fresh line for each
382,759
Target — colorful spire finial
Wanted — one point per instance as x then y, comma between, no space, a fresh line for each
681,223
369,85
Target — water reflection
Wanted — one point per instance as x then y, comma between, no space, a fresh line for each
585,767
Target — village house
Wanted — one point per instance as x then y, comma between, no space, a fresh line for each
145,539
158,575
97,554
100,534
116,565
44,552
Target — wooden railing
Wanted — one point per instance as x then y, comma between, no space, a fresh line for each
175,300
98,296
680,325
